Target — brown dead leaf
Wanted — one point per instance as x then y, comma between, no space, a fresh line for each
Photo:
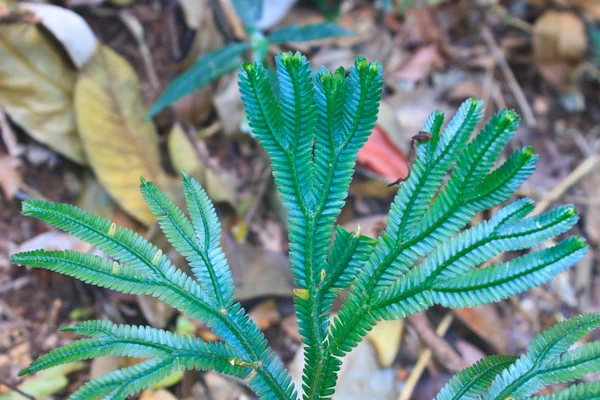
36,86
419,65
486,322
464,90
559,36
121,144
385,338
10,178
422,26
256,271
265,314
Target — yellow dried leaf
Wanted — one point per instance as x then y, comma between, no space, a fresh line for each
36,87
559,36
181,151
120,143
385,338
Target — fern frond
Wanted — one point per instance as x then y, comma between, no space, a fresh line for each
581,391
298,114
388,276
349,251
191,352
411,204
554,341
127,381
171,286
208,231
471,382
501,281
204,256
90,269
121,243
543,365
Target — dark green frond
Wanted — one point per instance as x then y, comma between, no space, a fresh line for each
207,68
208,233
543,365
127,381
90,269
581,391
207,263
471,382
501,281
123,244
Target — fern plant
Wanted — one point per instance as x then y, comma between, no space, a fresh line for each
548,361
312,132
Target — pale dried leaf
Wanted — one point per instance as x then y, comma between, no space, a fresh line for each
121,144
385,338
71,30
36,85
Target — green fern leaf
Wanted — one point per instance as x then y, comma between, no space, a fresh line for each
471,382
127,381
543,365
581,391
90,269
204,256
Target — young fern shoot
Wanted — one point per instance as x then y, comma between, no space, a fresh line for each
312,132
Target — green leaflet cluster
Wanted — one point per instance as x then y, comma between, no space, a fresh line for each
428,254
425,256
548,361
138,267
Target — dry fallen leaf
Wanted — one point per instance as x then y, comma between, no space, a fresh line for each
121,144
36,87
419,65
219,187
265,314
11,178
559,36
486,322
385,338
181,151
69,28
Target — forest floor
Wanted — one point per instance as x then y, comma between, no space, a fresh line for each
539,57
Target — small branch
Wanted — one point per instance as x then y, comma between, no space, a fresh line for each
137,31
17,390
526,109
441,350
423,360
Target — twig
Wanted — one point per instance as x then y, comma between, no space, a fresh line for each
16,389
587,166
137,31
528,115
423,360
441,350
518,23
